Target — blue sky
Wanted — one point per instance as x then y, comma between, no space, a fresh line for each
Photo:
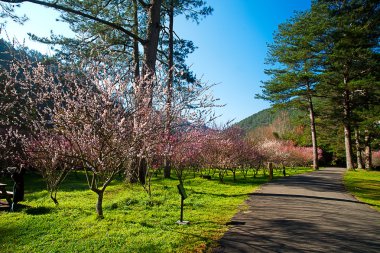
231,46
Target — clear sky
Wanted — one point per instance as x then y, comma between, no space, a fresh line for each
231,46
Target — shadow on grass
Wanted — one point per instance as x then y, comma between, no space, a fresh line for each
366,188
245,181
220,195
16,208
38,210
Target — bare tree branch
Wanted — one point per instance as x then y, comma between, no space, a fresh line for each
70,10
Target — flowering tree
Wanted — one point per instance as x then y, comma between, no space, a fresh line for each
78,117
376,158
97,122
100,134
286,153
225,150
51,155
14,105
188,148
249,157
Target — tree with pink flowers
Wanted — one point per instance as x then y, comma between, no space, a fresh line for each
187,152
86,117
285,153
51,156
79,117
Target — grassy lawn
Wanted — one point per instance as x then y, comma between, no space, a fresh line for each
365,185
134,222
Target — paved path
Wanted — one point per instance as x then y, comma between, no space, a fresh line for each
305,213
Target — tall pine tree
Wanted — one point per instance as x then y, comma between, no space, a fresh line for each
295,68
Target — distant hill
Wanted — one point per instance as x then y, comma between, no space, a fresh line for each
292,124
8,52
262,118
284,123
266,117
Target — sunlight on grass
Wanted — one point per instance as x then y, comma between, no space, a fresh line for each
365,185
134,222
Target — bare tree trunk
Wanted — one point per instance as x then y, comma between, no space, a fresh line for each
167,166
143,169
53,196
133,170
358,149
313,134
99,204
367,151
92,182
347,130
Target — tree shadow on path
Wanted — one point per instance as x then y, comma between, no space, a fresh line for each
308,213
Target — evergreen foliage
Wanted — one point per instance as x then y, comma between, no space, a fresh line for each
327,60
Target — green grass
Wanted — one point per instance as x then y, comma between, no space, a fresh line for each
364,185
134,222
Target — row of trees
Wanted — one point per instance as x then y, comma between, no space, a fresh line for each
58,119
105,107
135,36
229,150
326,61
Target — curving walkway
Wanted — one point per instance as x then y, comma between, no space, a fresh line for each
306,213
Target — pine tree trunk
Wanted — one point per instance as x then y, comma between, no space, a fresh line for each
136,54
145,86
150,49
313,135
358,150
153,32
133,167
348,146
367,151
347,129
168,109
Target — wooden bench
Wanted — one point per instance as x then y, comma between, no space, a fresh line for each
9,194
4,194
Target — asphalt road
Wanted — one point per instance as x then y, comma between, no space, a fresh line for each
306,213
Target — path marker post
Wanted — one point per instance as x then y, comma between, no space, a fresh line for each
183,194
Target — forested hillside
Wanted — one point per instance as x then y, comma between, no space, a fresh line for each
292,124
261,118
9,52
267,117
284,123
